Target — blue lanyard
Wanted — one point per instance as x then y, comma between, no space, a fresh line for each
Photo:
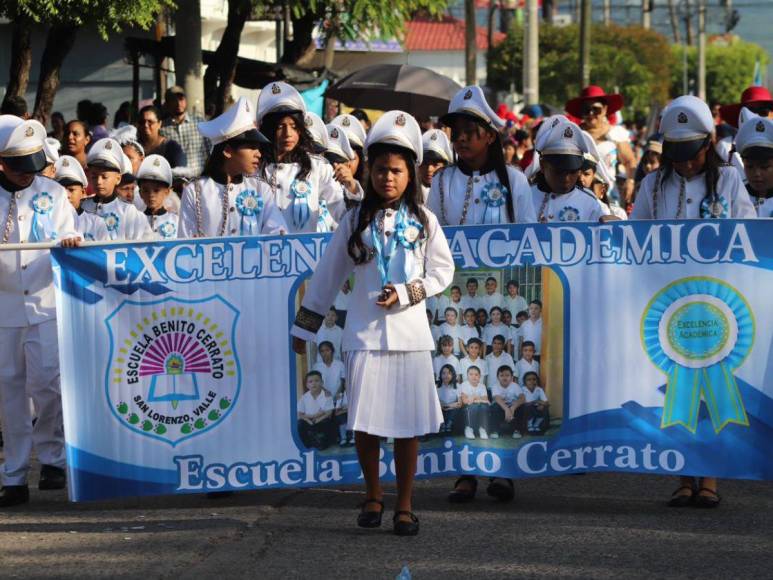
384,254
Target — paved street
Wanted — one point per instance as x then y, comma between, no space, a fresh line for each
594,526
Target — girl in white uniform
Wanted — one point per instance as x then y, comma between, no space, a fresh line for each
70,175
481,188
345,162
298,179
356,169
399,256
437,155
227,200
691,183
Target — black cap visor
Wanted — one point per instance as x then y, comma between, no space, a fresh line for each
568,163
681,151
432,156
249,137
32,163
334,158
127,178
67,182
757,153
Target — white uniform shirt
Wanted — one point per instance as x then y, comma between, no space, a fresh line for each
764,206
454,332
536,395
523,366
532,331
321,186
468,332
331,375
309,405
163,225
332,334
493,363
492,330
578,205
510,393
472,392
440,361
516,335
26,280
403,327
122,220
90,226
455,185
515,305
730,188
466,363
468,301
205,219
447,395
488,301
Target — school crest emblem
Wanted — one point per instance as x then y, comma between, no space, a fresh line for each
468,95
433,137
759,127
682,118
400,120
156,162
29,132
334,133
108,145
173,372
65,163
568,133
345,122
275,90
307,121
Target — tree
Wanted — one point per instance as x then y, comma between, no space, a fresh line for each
65,18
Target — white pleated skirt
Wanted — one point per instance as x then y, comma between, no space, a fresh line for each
392,393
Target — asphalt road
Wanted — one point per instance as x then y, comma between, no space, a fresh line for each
593,526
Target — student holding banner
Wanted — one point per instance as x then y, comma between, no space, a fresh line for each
227,200
399,256
692,183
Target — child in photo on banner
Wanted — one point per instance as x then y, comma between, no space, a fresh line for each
475,404
513,301
399,256
531,329
449,398
316,427
330,332
692,182
474,358
507,408
492,297
481,318
536,405
434,328
527,363
496,359
471,299
495,327
446,357
227,200
516,333
452,328
468,331
332,370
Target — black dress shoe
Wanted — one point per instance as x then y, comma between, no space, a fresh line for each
501,489
466,494
52,477
679,500
14,495
370,519
403,528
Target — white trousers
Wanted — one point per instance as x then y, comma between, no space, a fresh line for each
29,368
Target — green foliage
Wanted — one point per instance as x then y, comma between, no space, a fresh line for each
630,60
107,15
729,68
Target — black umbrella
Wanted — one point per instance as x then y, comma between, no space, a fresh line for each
414,89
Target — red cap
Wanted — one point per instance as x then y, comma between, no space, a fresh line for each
594,93
751,96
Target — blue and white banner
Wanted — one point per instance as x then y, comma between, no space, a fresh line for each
653,343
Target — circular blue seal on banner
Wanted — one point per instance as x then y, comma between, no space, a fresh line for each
698,331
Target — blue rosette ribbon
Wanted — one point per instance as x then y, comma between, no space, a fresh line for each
112,224
698,330
300,191
249,205
325,220
42,227
408,233
717,208
493,195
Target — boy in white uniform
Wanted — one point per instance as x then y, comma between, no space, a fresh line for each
331,332
754,143
155,180
332,370
506,408
70,175
497,359
32,209
514,302
315,414
527,363
536,405
474,398
531,329
123,221
471,299
491,298
452,328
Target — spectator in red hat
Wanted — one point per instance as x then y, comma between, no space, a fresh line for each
757,99
596,109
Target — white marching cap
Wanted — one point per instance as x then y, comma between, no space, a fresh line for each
397,128
437,141
755,132
124,134
68,169
277,97
354,129
592,154
51,146
472,102
338,143
686,118
745,115
107,153
316,128
19,137
155,168
236,120
559,136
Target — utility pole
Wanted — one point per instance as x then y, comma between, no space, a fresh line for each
470,43
688,22
607,12
531,54
702,49
674,21
646,14
188,64
585,23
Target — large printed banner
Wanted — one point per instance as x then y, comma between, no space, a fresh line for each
655,357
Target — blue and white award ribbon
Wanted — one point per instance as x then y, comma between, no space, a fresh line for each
697,331
325,221
249,205
714,208
42,227
300,190
112,223
493,195
406,235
